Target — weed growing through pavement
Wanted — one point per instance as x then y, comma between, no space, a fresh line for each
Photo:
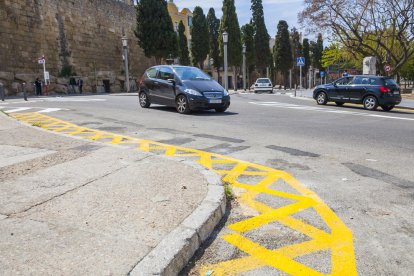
37,124
228,191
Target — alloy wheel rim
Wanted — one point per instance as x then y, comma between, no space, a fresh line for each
321,98
181,104
370,103
143,99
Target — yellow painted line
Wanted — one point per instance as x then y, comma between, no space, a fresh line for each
338,242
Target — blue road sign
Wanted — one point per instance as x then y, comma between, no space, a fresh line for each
300,61
322,74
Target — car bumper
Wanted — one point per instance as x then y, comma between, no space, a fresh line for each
389,100
263,89
202,103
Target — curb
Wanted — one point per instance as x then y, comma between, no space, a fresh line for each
177,248
174,252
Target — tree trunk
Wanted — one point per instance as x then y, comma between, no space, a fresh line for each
158,60
234,78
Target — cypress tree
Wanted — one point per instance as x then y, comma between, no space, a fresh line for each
261,37
230,23
183,53
296,52
155,30
248,39
282,50
306,55
213,32
199,38
317,50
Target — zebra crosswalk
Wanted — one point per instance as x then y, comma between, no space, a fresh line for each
328,110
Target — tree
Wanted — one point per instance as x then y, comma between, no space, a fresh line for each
383,29
306,55
261,37
230,23
282,51
248,40
317,50
213,24
296,51
183,53
199,38
156,37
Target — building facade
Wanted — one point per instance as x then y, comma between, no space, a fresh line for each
184,15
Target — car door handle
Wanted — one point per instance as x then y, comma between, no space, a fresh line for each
156,82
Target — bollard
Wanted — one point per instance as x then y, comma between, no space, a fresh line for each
24,91
1,92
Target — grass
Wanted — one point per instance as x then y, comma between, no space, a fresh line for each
228,191
37,124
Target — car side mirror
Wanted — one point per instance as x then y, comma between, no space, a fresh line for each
172,81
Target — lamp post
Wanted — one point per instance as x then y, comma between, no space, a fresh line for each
125,46
244,67
225,41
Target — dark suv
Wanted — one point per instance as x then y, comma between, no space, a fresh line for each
371,91
185,88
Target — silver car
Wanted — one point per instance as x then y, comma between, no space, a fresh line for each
263,85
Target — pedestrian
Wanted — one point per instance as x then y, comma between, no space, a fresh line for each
345,74
38,85
80,85
72,83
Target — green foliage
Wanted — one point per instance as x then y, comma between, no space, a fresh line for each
213,24
155,30
66,71
230,23
338,56
306,55
407,70
317,50
282,50
248,39
199,38
261,36
183,53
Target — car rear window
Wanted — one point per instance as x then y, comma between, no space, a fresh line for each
263,81
390,82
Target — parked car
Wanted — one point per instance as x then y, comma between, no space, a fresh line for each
370,91
263,85
185,88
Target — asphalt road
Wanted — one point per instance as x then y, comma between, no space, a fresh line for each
360,163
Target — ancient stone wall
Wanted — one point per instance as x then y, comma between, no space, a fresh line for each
76,36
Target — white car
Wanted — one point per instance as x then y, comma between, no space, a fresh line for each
263,85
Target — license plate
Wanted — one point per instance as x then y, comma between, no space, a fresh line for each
396,93
215,101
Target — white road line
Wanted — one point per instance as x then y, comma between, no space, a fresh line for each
17,109
327,110
48,110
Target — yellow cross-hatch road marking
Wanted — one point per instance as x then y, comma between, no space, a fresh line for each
338,241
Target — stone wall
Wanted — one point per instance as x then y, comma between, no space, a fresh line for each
78,36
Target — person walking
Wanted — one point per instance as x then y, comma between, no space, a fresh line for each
38,85
72,83
80,85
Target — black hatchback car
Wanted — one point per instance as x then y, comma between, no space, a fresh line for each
185,88
371,91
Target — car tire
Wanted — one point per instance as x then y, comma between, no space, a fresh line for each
182,105
321,98
387,107
370,103
339,103
143,100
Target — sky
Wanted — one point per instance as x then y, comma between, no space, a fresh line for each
274,10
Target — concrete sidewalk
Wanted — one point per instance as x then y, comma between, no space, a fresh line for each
71,207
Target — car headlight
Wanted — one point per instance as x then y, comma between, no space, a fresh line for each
225,93
193,92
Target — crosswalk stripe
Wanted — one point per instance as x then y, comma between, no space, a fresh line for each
17,109
327,110
48,110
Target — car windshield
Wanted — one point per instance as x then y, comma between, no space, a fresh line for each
191,73
263,81
390,82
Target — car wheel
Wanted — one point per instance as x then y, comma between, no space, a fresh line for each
370,103
143,100
321,98
182,105
387,107
339,103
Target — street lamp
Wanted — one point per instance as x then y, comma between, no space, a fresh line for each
244,67
125,46
225,42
